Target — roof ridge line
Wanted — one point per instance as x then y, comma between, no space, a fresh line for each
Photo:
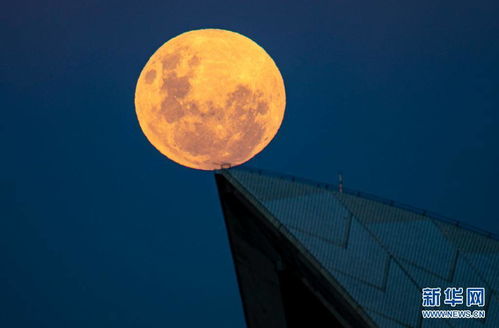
368,196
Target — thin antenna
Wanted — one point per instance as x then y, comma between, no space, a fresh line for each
340,182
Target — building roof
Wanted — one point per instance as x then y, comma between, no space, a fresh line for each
378,253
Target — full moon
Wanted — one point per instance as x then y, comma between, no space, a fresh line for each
209,99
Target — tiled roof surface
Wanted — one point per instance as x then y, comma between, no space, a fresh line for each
381,254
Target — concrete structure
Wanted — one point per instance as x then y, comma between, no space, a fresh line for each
307,255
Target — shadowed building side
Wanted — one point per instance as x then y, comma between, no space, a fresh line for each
280,285
307,255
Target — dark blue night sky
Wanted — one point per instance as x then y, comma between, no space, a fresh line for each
98,229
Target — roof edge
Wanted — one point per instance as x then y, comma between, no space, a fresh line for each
367,196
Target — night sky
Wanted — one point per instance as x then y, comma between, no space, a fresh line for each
98,229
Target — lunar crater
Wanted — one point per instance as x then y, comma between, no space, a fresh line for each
170,62
150,76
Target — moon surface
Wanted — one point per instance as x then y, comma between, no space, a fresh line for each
209,99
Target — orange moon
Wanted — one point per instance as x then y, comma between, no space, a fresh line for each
210,98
